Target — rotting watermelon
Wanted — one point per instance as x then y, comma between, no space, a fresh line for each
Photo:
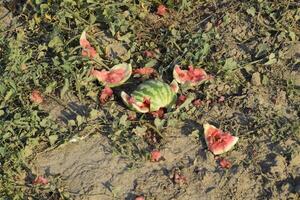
218,142
87,49
151,96
192,76
116,76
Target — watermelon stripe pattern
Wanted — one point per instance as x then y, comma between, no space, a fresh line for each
159,93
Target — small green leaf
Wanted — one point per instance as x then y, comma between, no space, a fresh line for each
94,114
230,64
92,19
6,135
2,151
51,87
27,151
272,59
140,131
251,11
172,122
159,123
8,95
71,123
195,134
265,80
55,42
123,120
52,139
261,49
43,123
151,63
292,35
65,88
79,120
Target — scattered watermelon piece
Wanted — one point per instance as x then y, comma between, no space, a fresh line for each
155,156
197,103
178,178
131,116
115,76
106,93
151,96
218,142
147,71
40,180
139,198
174,86
161,10
149,54
158,114
221,99
131,103
36,97
181,100
87,49
192,76
224,163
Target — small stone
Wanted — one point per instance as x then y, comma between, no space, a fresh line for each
255,80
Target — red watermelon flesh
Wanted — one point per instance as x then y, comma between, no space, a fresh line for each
100,75
88,50
115,76
109,77
218,142
192,76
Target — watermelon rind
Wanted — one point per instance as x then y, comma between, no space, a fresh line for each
128,72
176,76
134,106
220,150
174,86
188,83
157,92
83,36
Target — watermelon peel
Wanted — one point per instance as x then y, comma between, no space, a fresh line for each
193,76
218,142
87,49
116,76
150,96
132,104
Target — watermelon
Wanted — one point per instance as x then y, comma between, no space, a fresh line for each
115,76
218,142
87,49
150,96
192,76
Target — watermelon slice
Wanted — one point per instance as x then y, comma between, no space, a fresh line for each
174,86
218,142
132,104
192,76
150,96
116,76
87,49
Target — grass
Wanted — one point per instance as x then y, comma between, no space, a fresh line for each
229,39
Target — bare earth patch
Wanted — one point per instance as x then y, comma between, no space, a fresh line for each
90,170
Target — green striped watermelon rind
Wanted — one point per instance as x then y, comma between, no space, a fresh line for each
159,93
136,106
